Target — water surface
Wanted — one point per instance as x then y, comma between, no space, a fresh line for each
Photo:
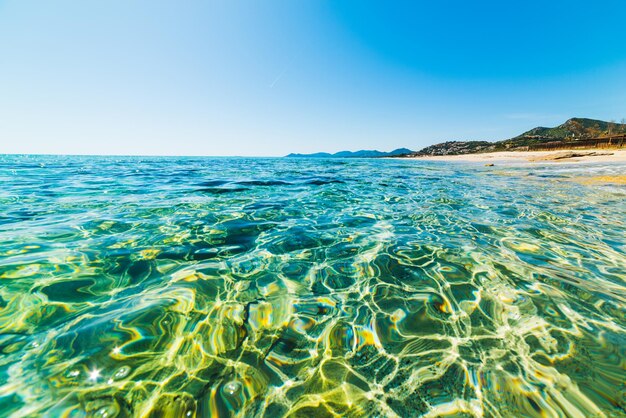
180,287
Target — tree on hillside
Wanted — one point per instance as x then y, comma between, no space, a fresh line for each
576,128
610,126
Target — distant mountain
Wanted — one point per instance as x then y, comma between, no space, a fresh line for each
316,155
572,130
355,154
575,129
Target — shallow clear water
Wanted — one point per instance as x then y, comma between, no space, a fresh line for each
174,287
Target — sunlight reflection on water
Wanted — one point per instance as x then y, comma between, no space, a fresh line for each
272,287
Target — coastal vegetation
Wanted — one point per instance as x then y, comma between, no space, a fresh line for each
575,132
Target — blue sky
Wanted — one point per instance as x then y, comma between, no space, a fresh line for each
277,76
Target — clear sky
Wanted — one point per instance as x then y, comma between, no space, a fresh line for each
272,77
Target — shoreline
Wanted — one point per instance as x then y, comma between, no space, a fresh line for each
534,157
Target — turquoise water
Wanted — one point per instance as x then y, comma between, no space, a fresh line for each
179,287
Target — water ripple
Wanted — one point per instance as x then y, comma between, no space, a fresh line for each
185,287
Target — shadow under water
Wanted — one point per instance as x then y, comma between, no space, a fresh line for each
182,287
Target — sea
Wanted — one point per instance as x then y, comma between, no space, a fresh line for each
271,287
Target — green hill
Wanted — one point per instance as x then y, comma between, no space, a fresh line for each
576,128
572,130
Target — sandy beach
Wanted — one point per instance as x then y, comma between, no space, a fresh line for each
556,157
